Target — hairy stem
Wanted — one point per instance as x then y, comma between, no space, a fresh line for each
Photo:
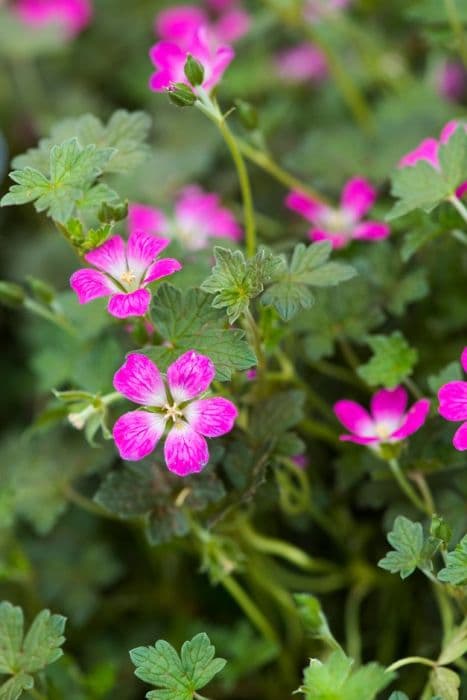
249,608
411,660
406,487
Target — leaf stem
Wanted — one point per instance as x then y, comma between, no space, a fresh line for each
255,337
406,486
457,204
457,28
411,660
43,312
249,608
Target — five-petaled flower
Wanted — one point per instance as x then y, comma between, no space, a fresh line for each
301,63
198,217
180,24
177,404
170,58
343,224
453,405
123,273
70,15
428,150
388,421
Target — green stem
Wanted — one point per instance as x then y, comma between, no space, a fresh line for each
459,236
255,337
425,491
413,388
336,372
113,397
352,625
411,660
36,694
249,608
319,430
457,204
406,486
457,28
85,503
43,312
349,354
266,163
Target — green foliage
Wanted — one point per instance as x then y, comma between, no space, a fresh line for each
392,362
178,677
187,321
451,373
335,680
21,656
313,618
411,549
446,683
455,571
309,267
424,187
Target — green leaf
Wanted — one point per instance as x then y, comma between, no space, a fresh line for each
313,618
408,541
446,683
308,267
424,187
451,373
392,361
72,168
398,695
20,657
177,677
273,416
334,679
187,321
235,280
124,134
455,571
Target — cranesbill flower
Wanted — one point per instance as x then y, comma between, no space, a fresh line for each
170,58
180,24
301,63
453,405
388,420
428,150
71,15
123,272
176,404
198,217
343,224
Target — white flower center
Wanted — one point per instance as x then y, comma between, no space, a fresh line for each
384,430
337,221
128,278
173,412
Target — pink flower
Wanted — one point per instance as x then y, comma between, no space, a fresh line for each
451,80
180,24
318,10
453,405
301,63
428,150
389,421
123,273
71,15
169,59
189,417
301,461
341,225
199,216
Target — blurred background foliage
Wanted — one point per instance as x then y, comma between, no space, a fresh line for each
117,589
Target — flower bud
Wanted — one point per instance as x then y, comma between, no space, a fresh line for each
41,290
194,71
181,95
440,529
247,115
11,294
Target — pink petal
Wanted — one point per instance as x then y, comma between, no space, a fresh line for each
305,206
426,150
146,218
211,417
132,304
91,284
371,231
190,375
462,189
464,359
448,130
178,24
162,268
220,62
389,405
301,63
142,250
234,24
414,420
358,196
354,418
139,380
161,81
460,438
453,401
137,433
337,240
109,257
166,54
185,450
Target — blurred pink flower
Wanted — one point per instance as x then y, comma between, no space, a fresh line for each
123,273
71,15
428,150
301,461
388,422
191,417
301,63
343,224
169,59
181,23
198,217
451,80
453,406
